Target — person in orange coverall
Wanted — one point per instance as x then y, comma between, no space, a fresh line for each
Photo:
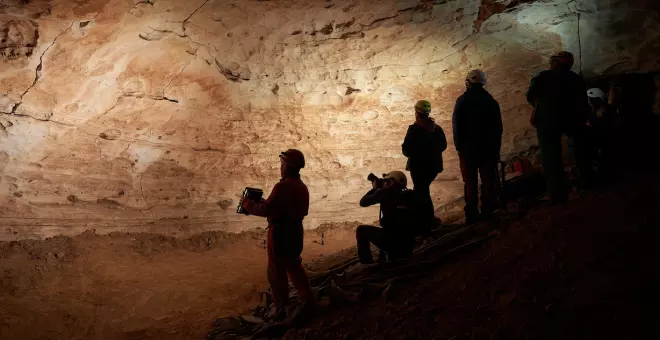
285,209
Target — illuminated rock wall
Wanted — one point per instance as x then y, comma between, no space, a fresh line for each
153,115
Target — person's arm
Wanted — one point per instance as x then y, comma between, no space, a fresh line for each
533,91
441,139
498,128
373,196
533,97
409,146
455,123
264,208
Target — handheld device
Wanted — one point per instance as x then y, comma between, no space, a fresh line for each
250,193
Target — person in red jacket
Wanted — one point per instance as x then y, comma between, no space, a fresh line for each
285,209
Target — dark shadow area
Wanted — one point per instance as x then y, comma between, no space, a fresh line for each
638,127
585,270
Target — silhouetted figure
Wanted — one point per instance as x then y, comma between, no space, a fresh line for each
602,126
285,209
424,144
559,97
398,219
477,127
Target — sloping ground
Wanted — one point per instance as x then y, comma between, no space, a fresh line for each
588,270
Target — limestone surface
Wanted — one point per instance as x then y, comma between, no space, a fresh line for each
153,115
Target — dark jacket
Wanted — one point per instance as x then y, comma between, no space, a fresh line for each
398,211
477,124
560,100
424,148
285,208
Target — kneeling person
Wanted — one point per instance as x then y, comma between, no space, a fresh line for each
397,215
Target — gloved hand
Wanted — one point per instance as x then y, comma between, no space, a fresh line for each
245,203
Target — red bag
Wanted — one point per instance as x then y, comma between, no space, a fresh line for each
523,165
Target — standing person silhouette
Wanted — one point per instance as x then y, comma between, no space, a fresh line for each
477,126
424,144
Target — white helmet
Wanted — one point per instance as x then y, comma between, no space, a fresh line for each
398,177
476,77
597,93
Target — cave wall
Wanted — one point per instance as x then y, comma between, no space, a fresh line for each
153,115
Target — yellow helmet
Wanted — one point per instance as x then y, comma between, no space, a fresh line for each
423,106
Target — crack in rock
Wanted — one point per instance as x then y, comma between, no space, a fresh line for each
350,90
459,50
148,2
390,17
129,95
359,33
208,148
43,120
146,37
37,72
233,72
185,21
178,74
146,204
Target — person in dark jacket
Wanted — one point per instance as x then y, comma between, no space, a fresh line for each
477,127
286,207
424,144
561,107
397,216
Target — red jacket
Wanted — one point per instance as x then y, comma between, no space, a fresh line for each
285,209
288,203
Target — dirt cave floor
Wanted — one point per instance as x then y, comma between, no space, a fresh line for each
137,286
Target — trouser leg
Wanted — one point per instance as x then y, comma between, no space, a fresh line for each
582,158
277,275
366,235
299,279
470,180
553,165
488,173
422,186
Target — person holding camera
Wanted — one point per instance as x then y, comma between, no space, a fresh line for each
397,217
424,144
285,209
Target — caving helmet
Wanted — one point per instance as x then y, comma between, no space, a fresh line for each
563,58
293,158
597,93
423,106
398,177
476,77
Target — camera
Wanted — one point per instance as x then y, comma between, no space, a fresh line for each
252,194
379,182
